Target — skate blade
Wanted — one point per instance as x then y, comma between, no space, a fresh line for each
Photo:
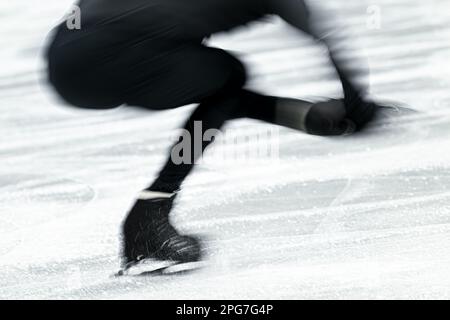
183,268
137,268
160,268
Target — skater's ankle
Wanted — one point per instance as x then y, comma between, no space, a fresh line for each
164,187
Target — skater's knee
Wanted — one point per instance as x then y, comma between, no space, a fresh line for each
235,72
85,97
92,104
81,88
239,74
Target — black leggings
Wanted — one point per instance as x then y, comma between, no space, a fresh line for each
215,79
160,75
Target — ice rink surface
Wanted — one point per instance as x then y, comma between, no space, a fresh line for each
366,216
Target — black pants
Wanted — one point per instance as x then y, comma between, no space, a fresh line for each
91,68
214,79
156,75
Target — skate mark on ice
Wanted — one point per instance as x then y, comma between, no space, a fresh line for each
391,113
44,188
11,236
328,223
52,279
40,198
396,191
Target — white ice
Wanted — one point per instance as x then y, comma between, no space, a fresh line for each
360,217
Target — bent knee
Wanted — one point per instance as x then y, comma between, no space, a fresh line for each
82,101
232,70
239,74
85,97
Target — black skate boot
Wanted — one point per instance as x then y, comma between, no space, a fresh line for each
327,118
360,112
148,233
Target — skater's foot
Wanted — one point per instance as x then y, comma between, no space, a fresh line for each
148,233
328,118
360,111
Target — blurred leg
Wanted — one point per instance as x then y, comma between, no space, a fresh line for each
215,79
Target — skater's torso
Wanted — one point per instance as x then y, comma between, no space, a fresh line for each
172,18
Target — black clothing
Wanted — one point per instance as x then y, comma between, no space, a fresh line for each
148,234
149,53
175,19
135,50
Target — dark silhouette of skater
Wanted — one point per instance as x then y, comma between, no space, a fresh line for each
151,53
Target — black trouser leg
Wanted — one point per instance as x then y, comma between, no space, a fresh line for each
236,103
212,114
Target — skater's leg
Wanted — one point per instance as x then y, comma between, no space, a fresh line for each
325,119
215,79
192,73
79,72
220,91
212,113
328,118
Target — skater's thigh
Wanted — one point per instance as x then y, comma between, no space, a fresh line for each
183,76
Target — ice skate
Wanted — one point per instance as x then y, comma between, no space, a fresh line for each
148,235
